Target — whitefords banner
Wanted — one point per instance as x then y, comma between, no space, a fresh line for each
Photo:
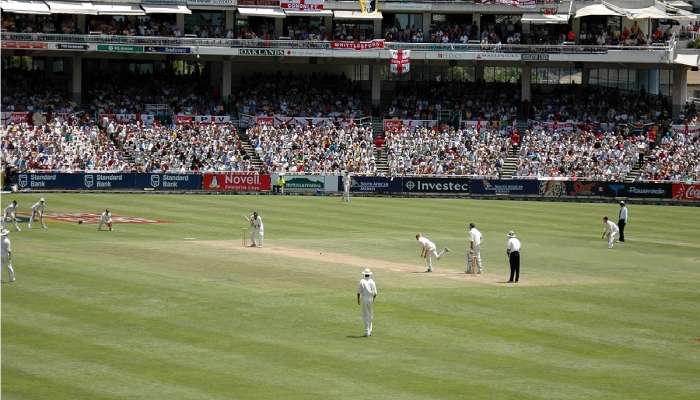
302,5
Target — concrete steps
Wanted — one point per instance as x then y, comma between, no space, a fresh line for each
255,161
510,165
382,161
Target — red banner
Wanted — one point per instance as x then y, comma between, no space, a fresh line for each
23,45
684,191
236,181
302,5
372,44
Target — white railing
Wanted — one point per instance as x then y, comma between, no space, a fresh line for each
565,48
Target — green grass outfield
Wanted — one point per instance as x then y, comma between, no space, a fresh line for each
141,313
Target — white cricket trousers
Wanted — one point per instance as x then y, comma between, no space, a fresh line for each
12,218
41,219
429,258
612,237
8,264
368,315
476,253
256,237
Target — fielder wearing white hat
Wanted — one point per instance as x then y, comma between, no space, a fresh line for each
366,293
511,234
6,253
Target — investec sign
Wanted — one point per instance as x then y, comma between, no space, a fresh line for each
261,52
436,185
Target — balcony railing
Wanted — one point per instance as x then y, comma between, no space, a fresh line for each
310,44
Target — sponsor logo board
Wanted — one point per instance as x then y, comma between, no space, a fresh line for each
237,182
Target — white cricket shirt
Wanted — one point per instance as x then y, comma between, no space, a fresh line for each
367,289
513,245
475,236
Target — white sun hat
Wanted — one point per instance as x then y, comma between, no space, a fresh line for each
367,272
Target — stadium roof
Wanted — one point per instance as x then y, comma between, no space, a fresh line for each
72,7
25,7
118,9
545,19
262,12
165,9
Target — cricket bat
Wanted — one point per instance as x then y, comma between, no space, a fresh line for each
474,264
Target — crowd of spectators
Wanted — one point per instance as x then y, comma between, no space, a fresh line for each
599,104
314,148
314,95
72,145
446,151
69,144
24,23
181,93
593,155
676,158
628,36
182,148
468,100
60,145
34,91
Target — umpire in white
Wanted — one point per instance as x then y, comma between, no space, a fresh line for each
366,293
513,251
622,221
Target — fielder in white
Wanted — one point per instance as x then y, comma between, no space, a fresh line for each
10,215
474,252
257,230
611,231
38,211
105,219
428,251
6,253
347,182
366,293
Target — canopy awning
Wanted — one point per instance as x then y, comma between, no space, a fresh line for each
165,9
545,19
647,13
262,12
310,13
680,4
118,9
72,7
690,60
596,9
25,7
340,14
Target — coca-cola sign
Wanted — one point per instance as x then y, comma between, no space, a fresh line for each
688,192
236,182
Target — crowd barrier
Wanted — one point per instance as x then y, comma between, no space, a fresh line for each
308,183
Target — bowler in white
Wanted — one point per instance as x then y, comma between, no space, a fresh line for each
366,293
611,231
10,215
428,251
6,253
38,211
474,252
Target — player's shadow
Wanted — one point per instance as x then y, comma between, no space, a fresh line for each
356,336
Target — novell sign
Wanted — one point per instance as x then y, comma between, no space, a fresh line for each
236,182
302,5
682,191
